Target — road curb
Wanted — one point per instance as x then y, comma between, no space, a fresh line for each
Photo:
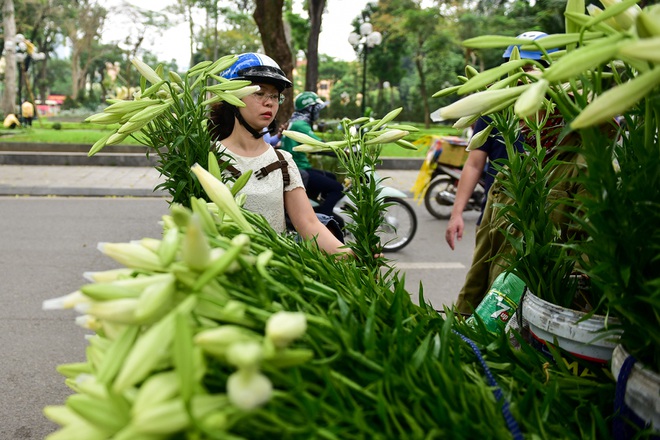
67,191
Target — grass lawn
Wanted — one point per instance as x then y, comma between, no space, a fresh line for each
88,134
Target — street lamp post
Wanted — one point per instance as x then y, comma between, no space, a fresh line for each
368,39
26,52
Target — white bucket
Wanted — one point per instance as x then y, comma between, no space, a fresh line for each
584,339
642,390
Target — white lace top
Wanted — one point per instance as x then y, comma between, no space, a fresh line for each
265,196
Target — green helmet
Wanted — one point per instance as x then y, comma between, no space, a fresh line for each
305,99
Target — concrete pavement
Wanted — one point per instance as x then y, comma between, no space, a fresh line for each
119,181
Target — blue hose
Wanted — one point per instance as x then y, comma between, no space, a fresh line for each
506,412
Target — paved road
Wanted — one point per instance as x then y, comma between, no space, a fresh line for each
46,243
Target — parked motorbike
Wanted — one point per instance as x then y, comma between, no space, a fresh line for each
400,221
441,192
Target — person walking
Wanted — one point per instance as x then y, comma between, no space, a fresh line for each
483,158
491,245
319,184
275,187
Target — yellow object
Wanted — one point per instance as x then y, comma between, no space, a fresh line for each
454,151
27,109
449,150
11,121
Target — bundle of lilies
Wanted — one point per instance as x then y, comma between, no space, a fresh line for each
222,328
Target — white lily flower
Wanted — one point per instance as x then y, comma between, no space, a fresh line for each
625,19
221,196
478,103
67,301
245,91
245,355
195,247
146,71
284,327
305,148
302,138
107,276
532,99
218,340
88,322
131,255
248,389
480,138
388,136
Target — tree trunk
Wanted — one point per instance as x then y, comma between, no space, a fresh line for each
268,16
9,24
215,30
316,8
75,73
419,63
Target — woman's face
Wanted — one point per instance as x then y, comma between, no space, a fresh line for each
261,107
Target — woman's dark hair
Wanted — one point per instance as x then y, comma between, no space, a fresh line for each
221,121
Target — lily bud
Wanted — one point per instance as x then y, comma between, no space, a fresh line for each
195,248
245,355
387,137
68,301
107,276
243,92
248,389
132,255
146,71
88,322
310,148
479,102
478,139
116,138
282,328
625,18
221,196
595,11
120,311
466,122
648,22
218,340
617,100
532,99
647,49
583,59
302,138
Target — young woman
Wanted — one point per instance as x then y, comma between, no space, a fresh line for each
238,132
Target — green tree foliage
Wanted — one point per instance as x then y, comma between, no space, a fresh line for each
59,76
239,35
298,28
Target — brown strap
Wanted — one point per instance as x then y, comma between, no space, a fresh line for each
281,163
232,169
263,172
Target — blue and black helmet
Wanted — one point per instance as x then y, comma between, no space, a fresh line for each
258,68
528,54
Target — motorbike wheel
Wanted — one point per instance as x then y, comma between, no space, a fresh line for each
439,207
399,226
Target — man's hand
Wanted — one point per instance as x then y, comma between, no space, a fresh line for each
454,230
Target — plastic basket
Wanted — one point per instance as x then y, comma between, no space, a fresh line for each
453,151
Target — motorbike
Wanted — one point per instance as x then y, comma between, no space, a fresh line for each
438,177
400,221
441,192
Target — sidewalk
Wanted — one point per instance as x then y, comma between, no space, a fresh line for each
126,181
